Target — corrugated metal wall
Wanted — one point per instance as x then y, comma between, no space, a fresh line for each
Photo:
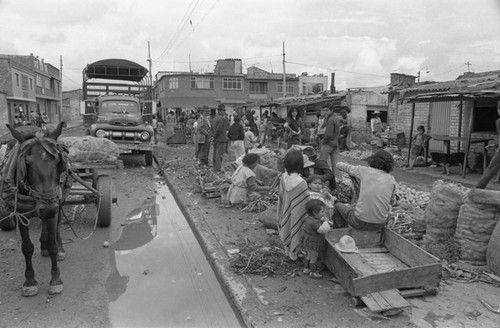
440,114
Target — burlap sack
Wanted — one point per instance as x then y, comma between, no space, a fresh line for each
492,253
442,212
90,149
266,175
269,218
475,226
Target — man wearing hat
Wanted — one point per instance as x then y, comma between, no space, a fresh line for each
319,167
220,125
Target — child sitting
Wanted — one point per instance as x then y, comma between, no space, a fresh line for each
314,228
244,181
317,191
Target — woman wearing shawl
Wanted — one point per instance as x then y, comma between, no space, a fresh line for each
292,196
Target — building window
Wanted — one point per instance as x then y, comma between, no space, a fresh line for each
231,84
24,82
173,83
39,81
202,83
31,84
289,87
17,79
258,87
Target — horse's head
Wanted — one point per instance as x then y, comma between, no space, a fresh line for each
39,166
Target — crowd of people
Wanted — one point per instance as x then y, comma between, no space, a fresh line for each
306,208
35,118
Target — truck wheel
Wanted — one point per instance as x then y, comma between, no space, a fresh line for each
104,188
148,156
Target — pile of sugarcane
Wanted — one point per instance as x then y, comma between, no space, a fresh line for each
262,203
266,261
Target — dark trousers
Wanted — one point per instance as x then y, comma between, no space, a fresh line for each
490,171
344,216
219,149
203,154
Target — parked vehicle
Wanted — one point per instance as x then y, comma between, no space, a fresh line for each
118,105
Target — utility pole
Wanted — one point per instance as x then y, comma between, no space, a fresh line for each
151,78
284,74
60,87
190,61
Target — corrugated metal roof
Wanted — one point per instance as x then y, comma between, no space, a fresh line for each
468,87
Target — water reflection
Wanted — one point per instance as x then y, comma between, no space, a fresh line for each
140,228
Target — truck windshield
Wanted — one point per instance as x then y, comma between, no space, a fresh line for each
119,107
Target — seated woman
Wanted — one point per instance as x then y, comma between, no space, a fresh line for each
377,193
244,181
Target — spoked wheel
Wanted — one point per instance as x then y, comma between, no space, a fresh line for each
104,188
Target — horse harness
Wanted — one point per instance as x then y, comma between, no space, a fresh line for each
16,191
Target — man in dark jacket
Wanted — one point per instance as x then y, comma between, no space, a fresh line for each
320,167
330,143
220,125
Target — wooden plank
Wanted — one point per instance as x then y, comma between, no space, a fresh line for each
384,300
406,251
374,250
364,239
428,275
342,271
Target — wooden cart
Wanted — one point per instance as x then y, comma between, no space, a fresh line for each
386,269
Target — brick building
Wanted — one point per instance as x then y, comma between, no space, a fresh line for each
227,85
30,85
71,105
463,110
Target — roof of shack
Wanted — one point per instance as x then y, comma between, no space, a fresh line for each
467,87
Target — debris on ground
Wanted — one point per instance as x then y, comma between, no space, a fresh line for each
265,261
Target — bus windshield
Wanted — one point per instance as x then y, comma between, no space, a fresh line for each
119,107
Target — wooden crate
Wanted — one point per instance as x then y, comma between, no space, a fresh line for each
385,261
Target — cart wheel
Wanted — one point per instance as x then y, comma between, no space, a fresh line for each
148,157
8,224
357,301
104,188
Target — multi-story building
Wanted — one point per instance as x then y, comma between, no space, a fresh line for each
71,105
227,85
29,85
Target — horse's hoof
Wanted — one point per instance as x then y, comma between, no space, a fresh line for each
45,253
61,256
29,291
56,289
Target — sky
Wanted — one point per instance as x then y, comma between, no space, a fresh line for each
361,41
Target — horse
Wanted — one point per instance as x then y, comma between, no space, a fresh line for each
39,182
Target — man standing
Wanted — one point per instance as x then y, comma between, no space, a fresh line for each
330,143
220,126
204,136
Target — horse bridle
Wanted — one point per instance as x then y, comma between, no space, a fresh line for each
39,197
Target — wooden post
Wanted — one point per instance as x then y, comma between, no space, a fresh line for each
411,132
460,113
468,137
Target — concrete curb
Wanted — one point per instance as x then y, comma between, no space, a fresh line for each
217,256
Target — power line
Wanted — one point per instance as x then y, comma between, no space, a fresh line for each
180,28
77,83
210,61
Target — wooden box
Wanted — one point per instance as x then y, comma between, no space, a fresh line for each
385,261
